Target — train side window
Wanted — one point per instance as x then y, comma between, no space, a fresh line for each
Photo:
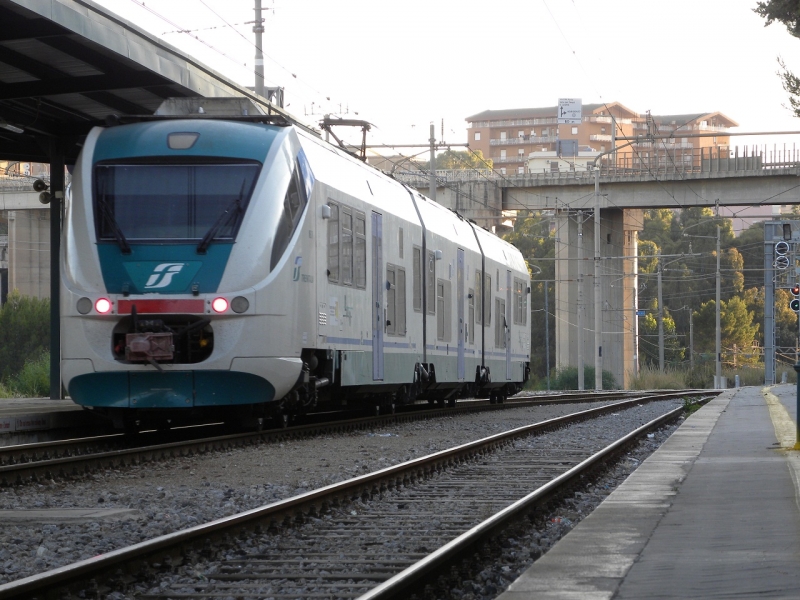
430,279
333,243
520,302
293,204
500,324
416,274
478,296
391,300
361,250
346,258
443,310
400,242
487,289
471,317
400,315
395,300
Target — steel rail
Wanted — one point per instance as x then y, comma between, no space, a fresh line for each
309,502
20,453
399,585
20,463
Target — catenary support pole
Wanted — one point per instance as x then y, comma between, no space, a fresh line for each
598,312
432,184
797,421
660,322
719,331
580,301
258,28
547,332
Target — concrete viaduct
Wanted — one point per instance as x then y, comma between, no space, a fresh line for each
735,182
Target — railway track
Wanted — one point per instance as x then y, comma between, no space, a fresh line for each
409,522
67,458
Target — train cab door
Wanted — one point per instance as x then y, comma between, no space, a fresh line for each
507,317
378,280
462,334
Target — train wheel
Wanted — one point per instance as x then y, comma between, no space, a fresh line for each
492,398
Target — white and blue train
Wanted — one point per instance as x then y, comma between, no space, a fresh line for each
226,268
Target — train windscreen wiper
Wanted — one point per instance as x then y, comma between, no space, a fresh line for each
231,211
102,203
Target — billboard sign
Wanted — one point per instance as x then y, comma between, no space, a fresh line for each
569,111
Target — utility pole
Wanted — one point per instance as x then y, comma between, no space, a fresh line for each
691,340
258,28
580,301
547,332
660,322
432,184
719,333
598,313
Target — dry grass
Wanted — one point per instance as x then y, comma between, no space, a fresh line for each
652,379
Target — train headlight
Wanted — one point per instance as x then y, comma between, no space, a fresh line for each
84,305
219,305
102,305
240,304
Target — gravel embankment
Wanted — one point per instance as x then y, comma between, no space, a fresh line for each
169,496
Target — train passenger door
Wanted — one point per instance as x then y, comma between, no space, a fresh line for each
507,317
378,320
460,303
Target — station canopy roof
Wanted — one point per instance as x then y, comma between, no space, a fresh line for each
67,65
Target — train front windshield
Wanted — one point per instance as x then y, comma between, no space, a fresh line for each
172,202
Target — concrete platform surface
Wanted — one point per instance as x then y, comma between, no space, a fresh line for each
24,415
714,513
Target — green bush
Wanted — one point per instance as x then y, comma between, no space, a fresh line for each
566,378
34,379
24,332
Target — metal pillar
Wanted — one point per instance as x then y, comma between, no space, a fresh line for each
547,332
581,385
660,322
258,28
432,182
719,330
56,201
598,312
769,311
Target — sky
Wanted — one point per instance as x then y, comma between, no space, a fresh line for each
401,66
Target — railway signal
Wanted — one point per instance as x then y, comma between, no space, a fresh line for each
795,303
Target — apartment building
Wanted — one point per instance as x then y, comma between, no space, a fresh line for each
511,137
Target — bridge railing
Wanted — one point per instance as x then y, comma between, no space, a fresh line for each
659,160
18,183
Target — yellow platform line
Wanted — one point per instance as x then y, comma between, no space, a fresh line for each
786,433
785,427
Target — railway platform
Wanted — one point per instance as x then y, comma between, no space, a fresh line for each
714,513
21,418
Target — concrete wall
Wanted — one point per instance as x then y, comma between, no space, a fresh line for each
618,233
29,251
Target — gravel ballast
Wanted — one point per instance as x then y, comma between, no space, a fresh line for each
179,493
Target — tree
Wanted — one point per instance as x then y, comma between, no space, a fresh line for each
533,238
788,13
750,245
24,332
736,327
674,350
459,159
